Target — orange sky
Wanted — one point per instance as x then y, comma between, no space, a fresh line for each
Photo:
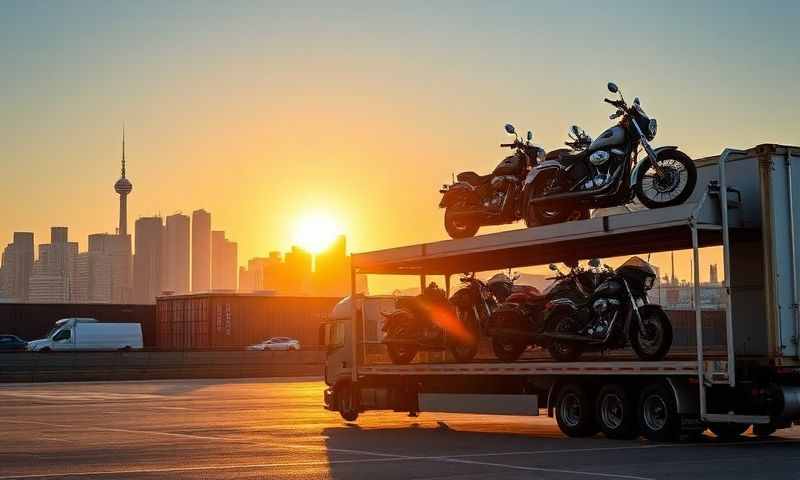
263,114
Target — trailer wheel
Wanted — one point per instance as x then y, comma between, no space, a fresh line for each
345,399
658,414
574,412
616,413
728,431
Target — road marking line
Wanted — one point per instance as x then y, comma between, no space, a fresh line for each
550,470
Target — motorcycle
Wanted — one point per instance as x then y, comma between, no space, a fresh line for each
616,313
476,300
519,321
476,200
604,172
428,322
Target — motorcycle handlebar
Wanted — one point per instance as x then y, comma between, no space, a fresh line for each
508,144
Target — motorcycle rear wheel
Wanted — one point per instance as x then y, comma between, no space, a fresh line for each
564,350
459,227
508,349
401,353
540,214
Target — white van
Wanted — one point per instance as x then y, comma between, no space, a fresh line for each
89,334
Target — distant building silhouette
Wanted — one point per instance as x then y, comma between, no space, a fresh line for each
713,273
175,260
123,187
201,251
293,276
224,262
50,278
147,260
116,286
16,267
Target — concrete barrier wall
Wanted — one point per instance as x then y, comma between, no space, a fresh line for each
85,366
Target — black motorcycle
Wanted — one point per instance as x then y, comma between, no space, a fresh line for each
476,300
600,173
519,321
475,200
616,312
429,322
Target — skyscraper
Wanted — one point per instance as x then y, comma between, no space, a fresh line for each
50,279
175,263
201,251
113,252
331,270
224,262
16,267
298,272
148,259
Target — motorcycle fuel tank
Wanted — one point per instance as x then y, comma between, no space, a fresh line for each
612,137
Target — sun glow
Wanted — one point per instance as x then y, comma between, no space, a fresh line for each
315,232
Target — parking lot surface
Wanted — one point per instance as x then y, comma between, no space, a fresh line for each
276,428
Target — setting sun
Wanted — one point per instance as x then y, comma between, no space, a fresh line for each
315,232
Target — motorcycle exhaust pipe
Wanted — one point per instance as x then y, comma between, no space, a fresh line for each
605,190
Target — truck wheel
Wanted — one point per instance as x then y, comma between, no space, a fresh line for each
658,414
575,412
616,413
728,431
346,403
508,349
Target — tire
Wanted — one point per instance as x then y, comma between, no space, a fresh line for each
345,403
763,430
561,350
546,215
508,349
458,228
656,341
401,353
46,350
464,350
728,431
657,414
616,413
668,158
574,412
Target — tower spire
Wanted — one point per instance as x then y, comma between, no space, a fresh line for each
123,150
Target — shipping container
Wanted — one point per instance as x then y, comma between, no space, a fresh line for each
234,320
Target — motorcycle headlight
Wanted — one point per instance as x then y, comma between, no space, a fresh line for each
653,128
648,282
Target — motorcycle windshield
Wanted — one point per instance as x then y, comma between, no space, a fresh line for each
636,263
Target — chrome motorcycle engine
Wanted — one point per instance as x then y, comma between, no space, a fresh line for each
603,164
605,310
499,185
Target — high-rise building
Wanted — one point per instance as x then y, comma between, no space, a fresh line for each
50,279
331,270
201,251
175,260
298,272
16,267
224,262
117,250
147,260
713,273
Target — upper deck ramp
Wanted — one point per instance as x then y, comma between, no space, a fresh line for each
606,235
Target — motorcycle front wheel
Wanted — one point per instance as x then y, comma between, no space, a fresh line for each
401,353
673,187
459,226
507,348
654,342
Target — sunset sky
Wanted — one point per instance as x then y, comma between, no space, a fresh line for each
262,113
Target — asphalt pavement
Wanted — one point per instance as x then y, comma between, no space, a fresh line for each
262,428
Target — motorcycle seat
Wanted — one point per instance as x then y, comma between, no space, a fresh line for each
473,178
566,156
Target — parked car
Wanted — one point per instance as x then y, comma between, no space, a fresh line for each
276,343
89,334
11,343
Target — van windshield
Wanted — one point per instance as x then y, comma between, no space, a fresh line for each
52,331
